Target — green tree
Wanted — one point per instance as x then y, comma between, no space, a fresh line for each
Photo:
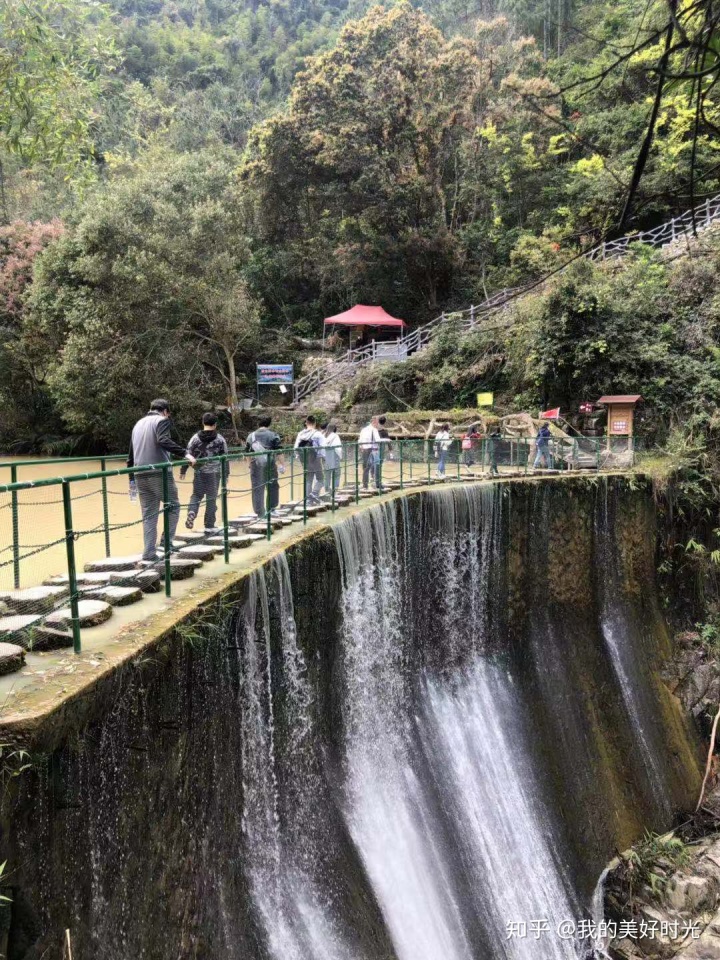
52,57
365,167
147,295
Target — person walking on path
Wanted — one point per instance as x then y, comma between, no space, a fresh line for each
384,450
468,445
493,439
307,444
331,453
206,480
542,447
369,445
264,475
443,443
152,443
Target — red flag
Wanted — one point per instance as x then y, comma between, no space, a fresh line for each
550,414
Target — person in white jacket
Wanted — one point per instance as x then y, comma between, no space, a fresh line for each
443,443
369,444
332,453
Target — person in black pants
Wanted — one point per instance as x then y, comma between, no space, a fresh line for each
264,475
206,481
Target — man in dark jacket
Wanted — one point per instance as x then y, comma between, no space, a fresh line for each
206,481
264,474
152,443
542,447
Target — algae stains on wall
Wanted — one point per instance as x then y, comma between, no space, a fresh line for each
588,634
143,831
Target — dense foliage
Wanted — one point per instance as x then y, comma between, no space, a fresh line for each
648,326
212,177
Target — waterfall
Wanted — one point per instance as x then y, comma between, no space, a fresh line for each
419,735
296,913
439,790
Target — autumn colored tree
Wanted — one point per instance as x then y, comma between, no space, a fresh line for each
26,354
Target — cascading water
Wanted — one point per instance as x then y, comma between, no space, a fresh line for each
407,740
439,784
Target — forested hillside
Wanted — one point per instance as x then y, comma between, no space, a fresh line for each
188,185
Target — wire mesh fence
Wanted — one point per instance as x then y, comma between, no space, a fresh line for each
75,546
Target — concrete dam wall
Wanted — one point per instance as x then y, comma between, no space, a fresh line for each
439,717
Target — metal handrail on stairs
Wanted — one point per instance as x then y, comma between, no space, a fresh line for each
344,367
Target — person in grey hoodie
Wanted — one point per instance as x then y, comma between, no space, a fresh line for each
152,443
206,443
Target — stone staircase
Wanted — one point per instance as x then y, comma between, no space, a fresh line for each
324,386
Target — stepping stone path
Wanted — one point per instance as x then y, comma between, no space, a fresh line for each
91,613
27,616
34,599
115,596
12,658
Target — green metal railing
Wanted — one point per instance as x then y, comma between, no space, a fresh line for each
273,476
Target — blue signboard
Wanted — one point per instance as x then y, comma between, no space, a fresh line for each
275,373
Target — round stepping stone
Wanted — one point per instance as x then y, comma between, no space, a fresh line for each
115,596
49,638
34,599
205,551
259,528
189,536
246,518
148,580
110,564
234,541
180,569
18,628
95,579
12,658
61,579
248,539
91,613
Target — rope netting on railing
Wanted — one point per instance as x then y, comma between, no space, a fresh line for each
79,545
693,221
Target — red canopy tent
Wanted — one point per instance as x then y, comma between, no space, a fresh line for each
362,316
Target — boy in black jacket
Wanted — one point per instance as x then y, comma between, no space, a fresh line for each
207,443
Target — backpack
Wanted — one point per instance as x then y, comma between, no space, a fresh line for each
305,443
